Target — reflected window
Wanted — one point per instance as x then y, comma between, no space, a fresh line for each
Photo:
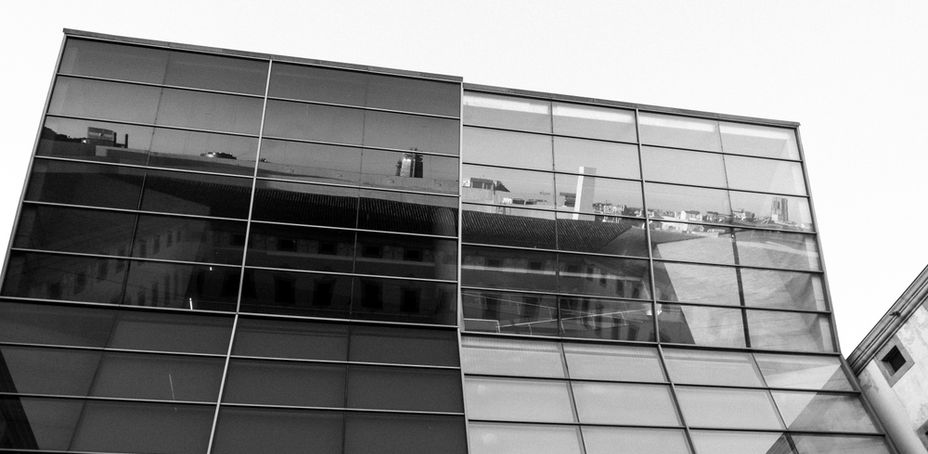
507,187
667,203
596,157
772,211
63,277
672,240
501,268
605,319
484,109
508,312
604,276
74,230
586,193
805,372
783,290
594,122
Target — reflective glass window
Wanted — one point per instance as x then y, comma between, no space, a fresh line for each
696,283
190,193
601,234
593,157
728,408
285,383
681,166
182,286
594,122
308,294
114,61
778,330
74,230
63,277
604,276
421,346
628,440
162,377
508,226
404,212
404,388
612,362
221,153
305,204
290,339
709,441
767,248
408,434
585,193
840,444
211,111
497,356
759,140
507,148
95,140
806,372
411,132
188,69
407,256
518,400
310,161
84,184
55,325
304,248
250,430
677,203
507,312
691,242
48,370
171,332
404,301
507,112
720,327
490,438
410,170
771,211
506,268
684,132
783,289
189,239
605,319
765,175
823,412
314,122
699,367
104,100
414,95
497,186
624,403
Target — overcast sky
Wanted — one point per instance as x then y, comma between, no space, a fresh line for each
853,73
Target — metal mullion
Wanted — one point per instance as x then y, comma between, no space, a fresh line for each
724,153
341,362
341,229
550,172
726,189
364,108
347,274
354,145
129,259
141,167
330,320
558,251
157,85
575,424
359,187
744,308
555,210
109,349
64,302
567,294
552,134
131,211
105,399
459,293
151,125
751,267
561,379
346,410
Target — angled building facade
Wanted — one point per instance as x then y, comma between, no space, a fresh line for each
222,252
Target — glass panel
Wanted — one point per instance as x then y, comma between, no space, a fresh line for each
47,371
171,332
517,400
592,157
404,301
278,292
696,283
84,184
765,175
620,403
94,140
674,131
209,111
182,286
783,289
626,440
404,345
606,319
691,242
606,276
508,226
840,444
74,230
317,84
62,277
728,408
115,61
504,312
495,356
507,112
290,339
413,133
612,362
488,438
201,151
415,95
404,388
594,122
55,325
411,170
823,412
507,148
597,195
305,204
793,251
198,240
601,234
507,187
697,367
408,256
413,213
403,434
808,372
314,122
310,161
507,268
104,100
680,166
188,69
250,430
700,325
301,248
191,193
771,211
678,203
777,330
285,383
709,442
759,140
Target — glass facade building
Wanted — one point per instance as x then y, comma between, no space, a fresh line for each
224,252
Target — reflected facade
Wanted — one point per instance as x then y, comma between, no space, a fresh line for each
253,253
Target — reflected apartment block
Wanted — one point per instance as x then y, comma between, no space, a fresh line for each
223,252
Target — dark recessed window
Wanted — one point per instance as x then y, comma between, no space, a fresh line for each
893,360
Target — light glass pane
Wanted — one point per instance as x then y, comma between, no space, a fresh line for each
604,276
668,203
792,251
777,330
598,318
594,122
493,356
759,140
765,175
699,367
681,166
728,408
507,112
712,326
823,412
783,290
588,194
716,442
517,400
627,440
507,148
684,132
772,211
509,312
488,438
807,372
507,187
840,444
594,157
623,403
692,242
696,283
612,362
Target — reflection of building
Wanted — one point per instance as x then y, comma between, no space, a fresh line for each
355,280
891,363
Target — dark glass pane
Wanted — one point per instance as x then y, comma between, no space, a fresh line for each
114,61
203,151
62,277
594,122
591,157
709,441
413,133
505,312
182,286
712,326
759,140
278,292
172,332
305,204
47,370
318,84
414,95
413,213
95,140
421,346
508,268
792,251
55,325
159,377
778,330
314,122
404,301
704,367
404,388
412,171
493,355
303,248
681,166
187,239
74,230
212,111
840,444
679,203
290,339
783,290
805,372
191,193
771,211
821,412
765,175
508,226
104,100
684,132
624,403
494,438
84,184
601,234
691,242
507,148
310,162
251,430
189,69
606,319
597,195
696,284
497,186
408,256
507,112
605,276
403,434
285,383
728,408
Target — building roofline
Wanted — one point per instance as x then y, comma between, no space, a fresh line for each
897,315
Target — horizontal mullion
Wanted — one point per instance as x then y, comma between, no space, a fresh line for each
350,186
566,379
355,106
355,229
119,257
225,404
733,226
115,305
727,189
551,134
145,167
111,399
559,251
752,308
152,84
552,210
131,211
347,274
347,321
113,349
725,153
550,293
738,265
571,424
341,362
548,171
364,147
153,125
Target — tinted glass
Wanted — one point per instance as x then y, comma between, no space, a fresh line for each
281,246
115,61
408,256
412,171
104,100
840,444
404,388
684,132
489,438
592,157
771,211
605,276
626,440
507,148
278,292
159,377
502,268
202,151
48,370
783,290
290,339
55,325
182,286
403,434
594,122
759,140
696,284
395,345
707,441
285,383
823,412
504,312
404,301
314,122
518,400
778,330
601,234
188,69
711,368
792,251
508,226
700,325
728,408
507,187
691,242
410,132
187,239
596,195
74,230
680,166
413,213
305,204
528,358
62,277
94,140
623,403
310,161
670,203
605,319
190,193
805,372
765,175
612,362
171,332
250,430
209,111
84,184
317,84
507,112
414,95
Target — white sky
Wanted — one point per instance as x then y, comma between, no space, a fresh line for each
854,73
